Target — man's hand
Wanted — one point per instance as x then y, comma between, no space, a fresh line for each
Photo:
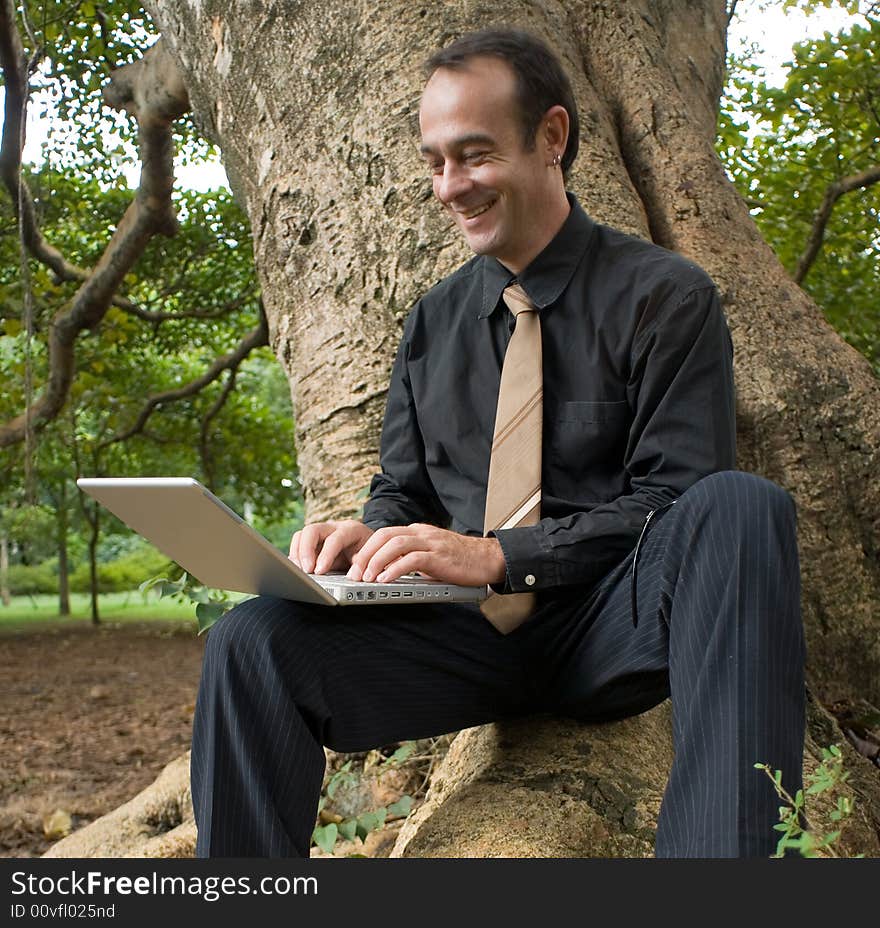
328,546
435,552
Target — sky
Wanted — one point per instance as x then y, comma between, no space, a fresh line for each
763,22
776,30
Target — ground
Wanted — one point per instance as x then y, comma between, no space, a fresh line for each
88,718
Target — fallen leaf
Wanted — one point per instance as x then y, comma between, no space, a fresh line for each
57,824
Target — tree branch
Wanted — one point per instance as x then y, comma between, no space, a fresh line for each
820,220
204,443
154,315
257,337
731,11
152,91
15,68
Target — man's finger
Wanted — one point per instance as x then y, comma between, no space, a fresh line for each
380,537
311,539
333,546
393,549
409,563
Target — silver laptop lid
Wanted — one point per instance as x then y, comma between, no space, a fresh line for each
186,522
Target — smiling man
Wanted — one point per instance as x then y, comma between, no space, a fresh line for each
559,428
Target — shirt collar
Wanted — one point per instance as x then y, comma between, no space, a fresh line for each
549,274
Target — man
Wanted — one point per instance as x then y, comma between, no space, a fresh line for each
651,569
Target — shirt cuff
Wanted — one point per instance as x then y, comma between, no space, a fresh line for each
529,559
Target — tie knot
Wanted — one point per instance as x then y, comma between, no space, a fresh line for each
517,301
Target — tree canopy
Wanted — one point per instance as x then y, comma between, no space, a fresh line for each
174,375
806,156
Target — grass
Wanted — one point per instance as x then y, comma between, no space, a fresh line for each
28,611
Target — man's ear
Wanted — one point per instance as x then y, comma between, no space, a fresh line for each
554,131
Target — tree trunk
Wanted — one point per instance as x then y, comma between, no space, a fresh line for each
94,518
63,565
314,108
5,598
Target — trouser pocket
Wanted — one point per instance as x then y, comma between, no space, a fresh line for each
635,564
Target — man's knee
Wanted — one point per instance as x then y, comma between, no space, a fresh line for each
740,500
251,632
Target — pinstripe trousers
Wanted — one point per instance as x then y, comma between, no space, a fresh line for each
717,599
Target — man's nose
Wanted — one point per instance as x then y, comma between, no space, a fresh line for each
452,183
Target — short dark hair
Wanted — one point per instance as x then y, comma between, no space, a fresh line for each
541,81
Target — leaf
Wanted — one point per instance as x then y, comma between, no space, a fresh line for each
402,753
199,594
208,613
342,775
325,837
401,807
348,829
57,825
148,585
370,821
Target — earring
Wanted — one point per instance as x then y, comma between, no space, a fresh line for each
557,158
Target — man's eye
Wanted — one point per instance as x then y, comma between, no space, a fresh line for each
473,157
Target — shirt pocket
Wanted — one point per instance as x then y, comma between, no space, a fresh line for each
586,413
585,443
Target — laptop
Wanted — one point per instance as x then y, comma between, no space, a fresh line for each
189,524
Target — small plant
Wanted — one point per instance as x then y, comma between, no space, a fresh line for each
797,832
326,835
210,604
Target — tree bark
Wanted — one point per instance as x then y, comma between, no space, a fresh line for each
5,597
93,517
63,563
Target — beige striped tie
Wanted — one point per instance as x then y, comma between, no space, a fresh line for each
513,494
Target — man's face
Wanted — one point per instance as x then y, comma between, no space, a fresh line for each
495,190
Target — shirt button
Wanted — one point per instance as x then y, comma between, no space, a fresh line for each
530,579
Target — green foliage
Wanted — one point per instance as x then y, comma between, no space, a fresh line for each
810,6
822,126
125,573
32,580
796,831
81,44
326,835
138,562
31,531
211,605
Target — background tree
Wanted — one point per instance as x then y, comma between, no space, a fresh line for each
809,171
162,372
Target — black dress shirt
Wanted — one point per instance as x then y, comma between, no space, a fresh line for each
638,400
